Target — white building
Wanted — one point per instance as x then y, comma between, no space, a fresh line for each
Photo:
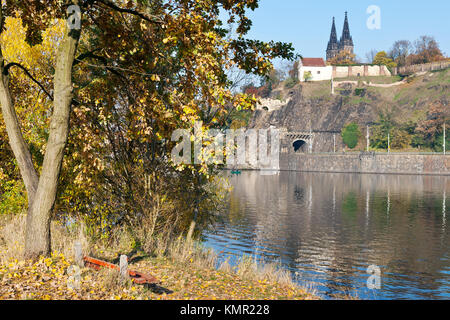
317,68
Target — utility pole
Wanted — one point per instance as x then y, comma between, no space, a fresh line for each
334,142
310,140
444,139
389,143
332,85
368,139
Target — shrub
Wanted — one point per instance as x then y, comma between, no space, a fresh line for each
410,79
360,92
350,135
290,83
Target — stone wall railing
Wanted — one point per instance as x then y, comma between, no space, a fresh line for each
439,65
360,71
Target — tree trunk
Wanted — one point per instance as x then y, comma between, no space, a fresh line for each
37,239
16,140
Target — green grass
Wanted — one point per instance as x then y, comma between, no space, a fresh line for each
355,100
319,89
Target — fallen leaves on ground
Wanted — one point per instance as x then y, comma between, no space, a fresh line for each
48,279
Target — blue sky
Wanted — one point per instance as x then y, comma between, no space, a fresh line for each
307,23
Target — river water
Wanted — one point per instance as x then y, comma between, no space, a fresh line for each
328,228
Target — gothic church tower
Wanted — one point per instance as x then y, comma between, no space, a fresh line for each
333,45
345,43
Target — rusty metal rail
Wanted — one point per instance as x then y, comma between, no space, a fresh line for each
137,277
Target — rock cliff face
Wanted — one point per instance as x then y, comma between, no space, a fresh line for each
325,117
318,114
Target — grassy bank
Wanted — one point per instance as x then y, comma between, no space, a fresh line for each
185,271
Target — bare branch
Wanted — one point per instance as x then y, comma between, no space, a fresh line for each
14,64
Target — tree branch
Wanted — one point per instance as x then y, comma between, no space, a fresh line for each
15,64
144,16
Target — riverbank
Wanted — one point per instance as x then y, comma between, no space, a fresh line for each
367,162
186,271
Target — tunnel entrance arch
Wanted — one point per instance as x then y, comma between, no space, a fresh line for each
299,145
298,142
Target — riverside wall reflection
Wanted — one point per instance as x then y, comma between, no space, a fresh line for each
328,228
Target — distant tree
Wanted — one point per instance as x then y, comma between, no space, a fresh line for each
343,57
431,128
438,144
250,90
381,58
290,83
400,135
284,69
239,79
265,90
400,139
307,76
400,51
371,55
351,134
381,129
273,78
426,50
293,73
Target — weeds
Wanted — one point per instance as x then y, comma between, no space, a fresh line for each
186,269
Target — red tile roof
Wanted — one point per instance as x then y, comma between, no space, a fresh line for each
313,62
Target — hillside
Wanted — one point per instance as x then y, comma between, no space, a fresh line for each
311,105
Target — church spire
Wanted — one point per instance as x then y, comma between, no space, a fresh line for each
346,38
333,35
333,45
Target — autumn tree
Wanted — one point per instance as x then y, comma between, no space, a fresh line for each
400,51
431,128
124,78
343,58
293,72
426,50
307,76
32,103
381,129
381,58
41,190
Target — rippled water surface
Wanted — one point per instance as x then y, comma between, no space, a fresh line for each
328,228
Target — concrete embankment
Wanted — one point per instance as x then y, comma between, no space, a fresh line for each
383,163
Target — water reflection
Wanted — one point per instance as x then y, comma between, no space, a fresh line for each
330,227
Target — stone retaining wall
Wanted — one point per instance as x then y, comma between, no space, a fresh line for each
367,163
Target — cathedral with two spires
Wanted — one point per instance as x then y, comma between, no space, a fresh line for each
345,44
316,69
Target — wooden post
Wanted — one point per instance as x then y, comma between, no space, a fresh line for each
78,254
123,266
